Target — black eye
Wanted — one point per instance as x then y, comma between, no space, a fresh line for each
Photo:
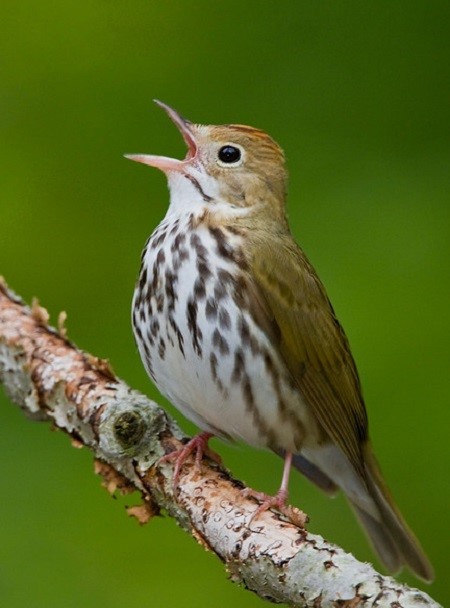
229,154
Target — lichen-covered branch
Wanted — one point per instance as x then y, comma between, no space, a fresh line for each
51,379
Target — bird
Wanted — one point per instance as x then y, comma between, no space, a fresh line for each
236,330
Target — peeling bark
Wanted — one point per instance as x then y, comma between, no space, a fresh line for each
52,380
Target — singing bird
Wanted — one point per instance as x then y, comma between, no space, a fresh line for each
236,330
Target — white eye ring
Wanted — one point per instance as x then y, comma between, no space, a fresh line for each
230,155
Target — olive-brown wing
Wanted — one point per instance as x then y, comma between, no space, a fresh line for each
311,342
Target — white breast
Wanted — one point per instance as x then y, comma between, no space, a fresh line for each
201,346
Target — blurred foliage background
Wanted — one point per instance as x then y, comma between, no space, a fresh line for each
357,94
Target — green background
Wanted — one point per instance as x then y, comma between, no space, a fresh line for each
357,94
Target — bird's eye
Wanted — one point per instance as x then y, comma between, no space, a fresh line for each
229,154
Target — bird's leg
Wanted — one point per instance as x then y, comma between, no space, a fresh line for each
280,498
278,501
199,445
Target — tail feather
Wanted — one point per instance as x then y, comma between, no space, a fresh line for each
380,538
372,503
407,547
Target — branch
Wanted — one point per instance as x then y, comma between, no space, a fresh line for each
50,379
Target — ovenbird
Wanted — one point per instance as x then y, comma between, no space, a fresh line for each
236,330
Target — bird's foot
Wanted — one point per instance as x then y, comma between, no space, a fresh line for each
278,502
199,445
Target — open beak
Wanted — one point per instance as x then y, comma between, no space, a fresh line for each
163,162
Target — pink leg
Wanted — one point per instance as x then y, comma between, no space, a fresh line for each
199,445
278,501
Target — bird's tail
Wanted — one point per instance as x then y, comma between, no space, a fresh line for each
374,507
390,535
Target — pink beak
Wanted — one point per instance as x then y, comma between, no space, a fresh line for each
165,163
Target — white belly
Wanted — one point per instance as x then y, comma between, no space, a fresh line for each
204,351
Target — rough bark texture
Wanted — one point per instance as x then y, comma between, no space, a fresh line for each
51,379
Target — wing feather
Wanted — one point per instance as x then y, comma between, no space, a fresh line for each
311,341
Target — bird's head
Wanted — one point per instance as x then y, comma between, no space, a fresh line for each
227,165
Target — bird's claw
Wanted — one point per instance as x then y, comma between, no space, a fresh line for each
199,445
278,502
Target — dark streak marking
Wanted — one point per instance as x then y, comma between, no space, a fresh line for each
183,254
220,343
157,239
143,278
174,227
202,252
178,334
213,364
138,300
239,366
224,319
234,230
244,330
149,366
181,342
161,257
160,302
196,333
155,277
195,183
247,391
178,241
161,238
150,339
162,348
219,291
154,327
171,279
203,269
211,309
224,248
148,299
199,289
247,338
225,277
